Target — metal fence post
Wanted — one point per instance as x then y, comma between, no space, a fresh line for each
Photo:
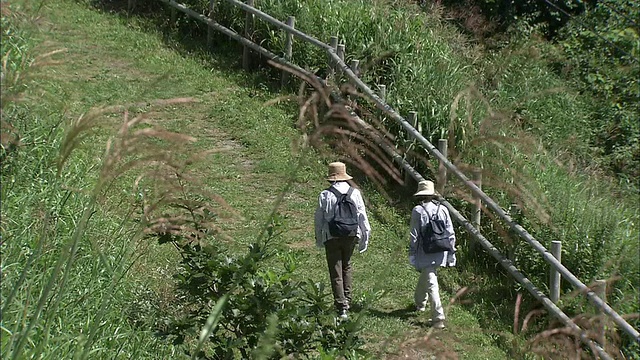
248,30
442,170
288,50
555,278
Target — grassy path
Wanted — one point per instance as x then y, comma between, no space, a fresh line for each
110,60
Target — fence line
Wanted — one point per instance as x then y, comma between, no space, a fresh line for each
506,263
345,70
547,256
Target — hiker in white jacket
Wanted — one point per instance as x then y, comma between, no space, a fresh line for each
427,264
339,249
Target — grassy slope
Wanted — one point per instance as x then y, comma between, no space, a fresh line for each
109,62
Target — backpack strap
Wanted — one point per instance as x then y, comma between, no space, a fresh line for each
338,194
349,192
435,214
335,192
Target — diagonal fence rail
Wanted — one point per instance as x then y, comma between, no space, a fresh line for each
336,58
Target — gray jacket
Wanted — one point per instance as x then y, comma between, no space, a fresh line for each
419,218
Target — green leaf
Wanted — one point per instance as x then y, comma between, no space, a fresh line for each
210,325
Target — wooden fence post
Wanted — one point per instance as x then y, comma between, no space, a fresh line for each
248,30
340,53
600,288
477,208
331,68
555,278
382,92
412,118
355,67
288,50
442,170
174,17
477,179
210,31
415,123
514,212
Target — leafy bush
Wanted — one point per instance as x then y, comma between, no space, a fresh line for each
291,317
610,76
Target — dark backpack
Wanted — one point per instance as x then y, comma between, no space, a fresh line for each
434,236
345,215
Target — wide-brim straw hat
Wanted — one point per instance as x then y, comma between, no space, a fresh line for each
338,172
425,188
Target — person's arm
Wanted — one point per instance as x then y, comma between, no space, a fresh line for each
363,221
414,227
449,227
451,255
319,219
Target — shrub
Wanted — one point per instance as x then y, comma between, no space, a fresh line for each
291,317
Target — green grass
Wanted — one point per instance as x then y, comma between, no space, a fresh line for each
535,148
107,306
101,303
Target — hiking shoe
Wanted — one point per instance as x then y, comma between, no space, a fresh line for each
343,315
421,308
438,324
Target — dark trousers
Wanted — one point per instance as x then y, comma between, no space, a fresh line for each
339,251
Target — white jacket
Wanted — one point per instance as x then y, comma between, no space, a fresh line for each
324,213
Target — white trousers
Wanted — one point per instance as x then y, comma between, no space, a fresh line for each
428,287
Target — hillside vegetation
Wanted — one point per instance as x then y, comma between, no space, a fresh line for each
154,207
505,109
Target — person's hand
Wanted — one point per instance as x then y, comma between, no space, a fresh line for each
412,260
451,259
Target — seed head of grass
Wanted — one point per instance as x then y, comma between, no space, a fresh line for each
173,199
333,124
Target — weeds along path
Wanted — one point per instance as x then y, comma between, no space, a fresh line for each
110,60
100,67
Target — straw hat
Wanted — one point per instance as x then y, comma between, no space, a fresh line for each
338,172
425,188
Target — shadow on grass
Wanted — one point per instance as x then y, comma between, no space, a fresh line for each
409,312
189,38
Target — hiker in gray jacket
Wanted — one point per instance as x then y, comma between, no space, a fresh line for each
339,249
428,263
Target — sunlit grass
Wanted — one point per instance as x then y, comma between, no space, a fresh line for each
109,307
